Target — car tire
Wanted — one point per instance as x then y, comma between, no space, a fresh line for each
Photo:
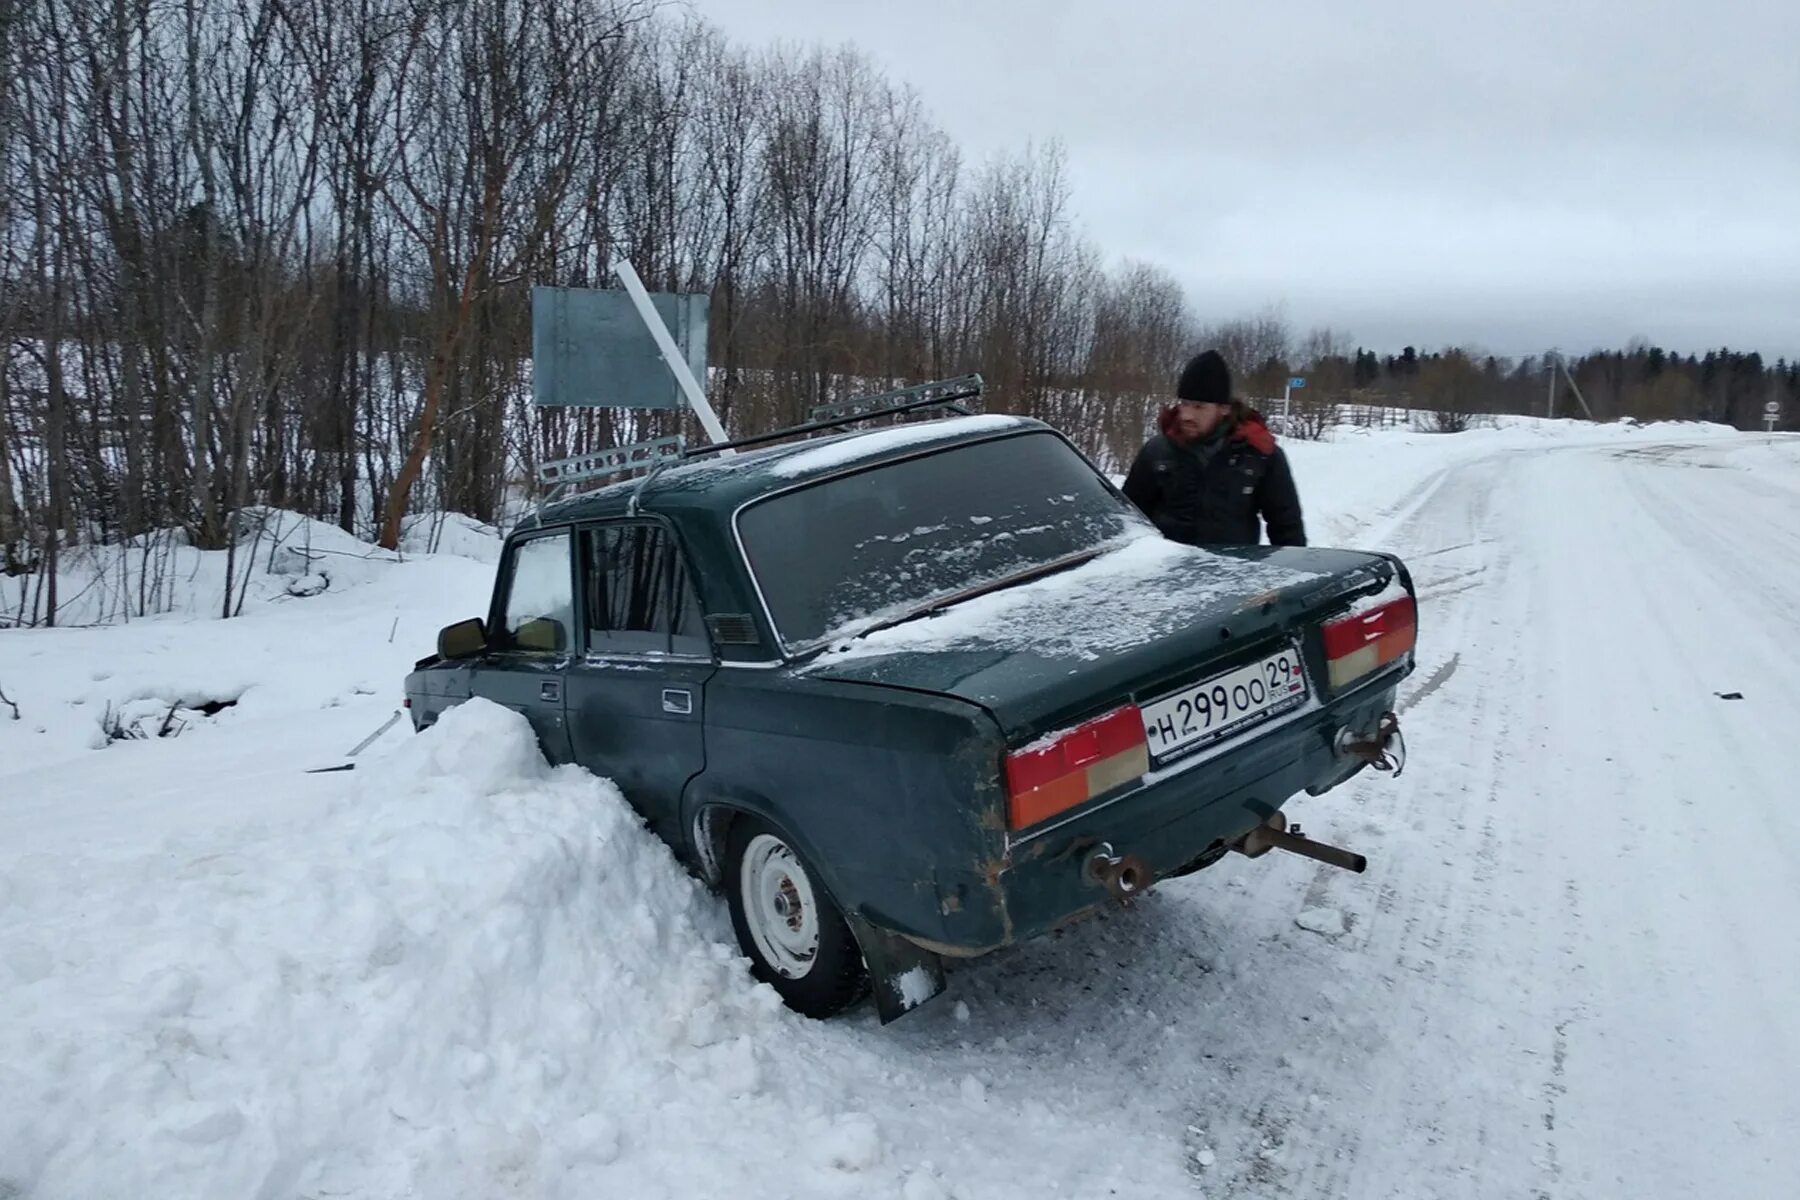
793,933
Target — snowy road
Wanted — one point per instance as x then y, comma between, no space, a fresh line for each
1572,969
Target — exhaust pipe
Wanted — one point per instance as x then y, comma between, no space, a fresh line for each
1124,877
1275,834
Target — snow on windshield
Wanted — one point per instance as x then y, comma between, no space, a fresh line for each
854,550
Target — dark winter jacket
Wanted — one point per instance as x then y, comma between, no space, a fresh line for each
1204,495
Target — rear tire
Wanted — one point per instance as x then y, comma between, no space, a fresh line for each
793,933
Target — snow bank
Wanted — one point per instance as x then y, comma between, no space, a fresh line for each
287,658
279,556
361,1009
1358,488
468,974
440,532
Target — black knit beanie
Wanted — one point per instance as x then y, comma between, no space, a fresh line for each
1206,380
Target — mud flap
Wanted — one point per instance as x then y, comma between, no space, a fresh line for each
901,975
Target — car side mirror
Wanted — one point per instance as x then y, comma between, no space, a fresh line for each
465,639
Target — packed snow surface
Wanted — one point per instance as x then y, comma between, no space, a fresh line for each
456,971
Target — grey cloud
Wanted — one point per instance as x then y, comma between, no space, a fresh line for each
1514,175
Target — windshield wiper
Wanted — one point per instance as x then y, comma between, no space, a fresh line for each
955,598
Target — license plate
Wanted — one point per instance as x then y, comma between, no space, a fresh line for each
1225,704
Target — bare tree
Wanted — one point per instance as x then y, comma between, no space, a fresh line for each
1142,333
1256,348
486,153
260,255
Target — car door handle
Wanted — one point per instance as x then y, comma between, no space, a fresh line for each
550,691
678,701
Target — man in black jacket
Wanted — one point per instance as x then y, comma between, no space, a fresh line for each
1214,475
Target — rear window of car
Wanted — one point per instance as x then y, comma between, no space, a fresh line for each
840,555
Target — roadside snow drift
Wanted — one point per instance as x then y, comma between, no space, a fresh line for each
489,925
469,974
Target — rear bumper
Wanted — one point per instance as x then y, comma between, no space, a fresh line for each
1180,817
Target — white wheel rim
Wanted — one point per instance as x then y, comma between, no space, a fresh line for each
779,906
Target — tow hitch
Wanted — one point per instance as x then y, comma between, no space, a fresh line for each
1384,749
1277,834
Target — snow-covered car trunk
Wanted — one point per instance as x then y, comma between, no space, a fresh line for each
1131,626
1158,704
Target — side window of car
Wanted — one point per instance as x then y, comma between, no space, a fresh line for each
639,598
540,600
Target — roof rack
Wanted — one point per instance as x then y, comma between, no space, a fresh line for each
602,464
942,393
660,453
616,461
949,392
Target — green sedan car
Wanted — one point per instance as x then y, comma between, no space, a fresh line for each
922,692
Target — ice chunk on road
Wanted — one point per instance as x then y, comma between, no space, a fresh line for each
1327,922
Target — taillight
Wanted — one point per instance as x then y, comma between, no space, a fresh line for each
1357,645
1074,766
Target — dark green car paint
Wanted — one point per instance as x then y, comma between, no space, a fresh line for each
886,771
1032,691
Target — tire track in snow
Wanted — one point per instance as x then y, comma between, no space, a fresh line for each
1445,672
1410,929
1458,1038
1663,1018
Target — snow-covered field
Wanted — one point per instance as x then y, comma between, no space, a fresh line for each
1572,969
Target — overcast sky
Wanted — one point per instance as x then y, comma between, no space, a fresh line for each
1514,176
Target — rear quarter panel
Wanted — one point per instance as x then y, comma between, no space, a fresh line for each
893,795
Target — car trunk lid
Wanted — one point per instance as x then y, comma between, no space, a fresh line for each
1127,627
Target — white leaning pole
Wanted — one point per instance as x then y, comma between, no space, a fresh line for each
665,342
1575,387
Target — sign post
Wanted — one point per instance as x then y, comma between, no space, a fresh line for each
672,357
624,348
1287,394
1771,415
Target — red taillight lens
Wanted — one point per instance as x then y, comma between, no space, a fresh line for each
1355,646
1074,766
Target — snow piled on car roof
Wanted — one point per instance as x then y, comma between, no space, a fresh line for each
1130,596
882,441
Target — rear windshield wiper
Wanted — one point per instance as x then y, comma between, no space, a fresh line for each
982,589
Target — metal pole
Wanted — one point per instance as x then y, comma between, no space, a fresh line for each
1551,408
672,355
1287,393
1576,388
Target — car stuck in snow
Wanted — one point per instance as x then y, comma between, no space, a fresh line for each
922,692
